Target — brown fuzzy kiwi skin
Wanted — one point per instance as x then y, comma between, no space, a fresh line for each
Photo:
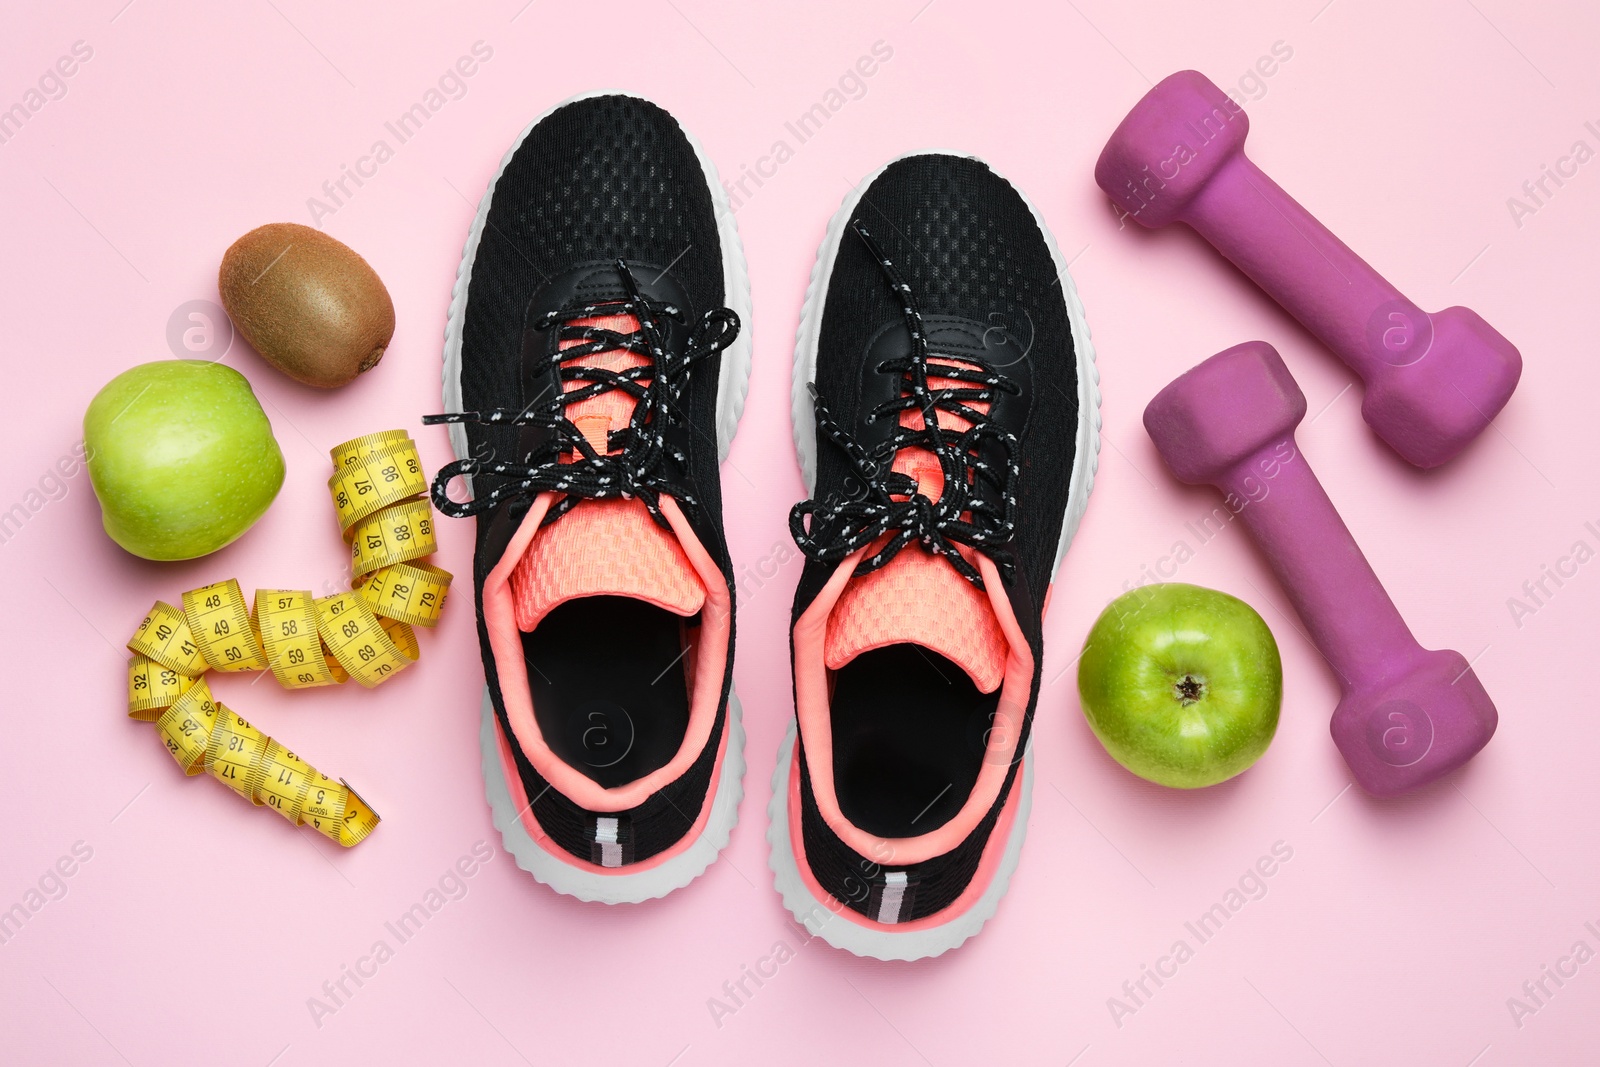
309,304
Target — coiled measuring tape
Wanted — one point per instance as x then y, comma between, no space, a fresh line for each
379,494
203,735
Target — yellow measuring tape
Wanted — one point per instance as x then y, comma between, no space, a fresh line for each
203,735
378,492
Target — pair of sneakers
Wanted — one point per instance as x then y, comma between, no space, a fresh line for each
597,358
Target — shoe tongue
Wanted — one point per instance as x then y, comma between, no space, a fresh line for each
604,548
917,598
600,415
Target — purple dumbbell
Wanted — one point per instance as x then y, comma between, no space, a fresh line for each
1433,381
1407,715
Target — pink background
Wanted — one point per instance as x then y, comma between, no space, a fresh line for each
1396,933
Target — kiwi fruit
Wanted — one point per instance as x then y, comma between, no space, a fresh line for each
310,305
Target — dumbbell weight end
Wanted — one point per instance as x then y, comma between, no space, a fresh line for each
1433,381
1407,715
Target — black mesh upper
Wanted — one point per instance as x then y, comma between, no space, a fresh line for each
968,246
606,177
596,180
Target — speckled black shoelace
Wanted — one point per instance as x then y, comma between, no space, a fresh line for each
964,514
639,468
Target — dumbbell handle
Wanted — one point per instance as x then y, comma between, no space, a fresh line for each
1433,380
1406,715
1282,247
1339,598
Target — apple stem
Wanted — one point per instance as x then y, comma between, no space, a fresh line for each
1190,689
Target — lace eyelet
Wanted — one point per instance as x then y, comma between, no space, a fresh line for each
636,470
894,501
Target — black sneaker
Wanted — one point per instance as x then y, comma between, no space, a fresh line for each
595,368
946,413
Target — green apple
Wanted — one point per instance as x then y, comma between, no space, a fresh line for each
1181,684
181,456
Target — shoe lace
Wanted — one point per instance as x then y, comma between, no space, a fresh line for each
977,505
635,463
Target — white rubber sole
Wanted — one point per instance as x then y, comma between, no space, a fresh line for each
675,873
733,386
837,930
